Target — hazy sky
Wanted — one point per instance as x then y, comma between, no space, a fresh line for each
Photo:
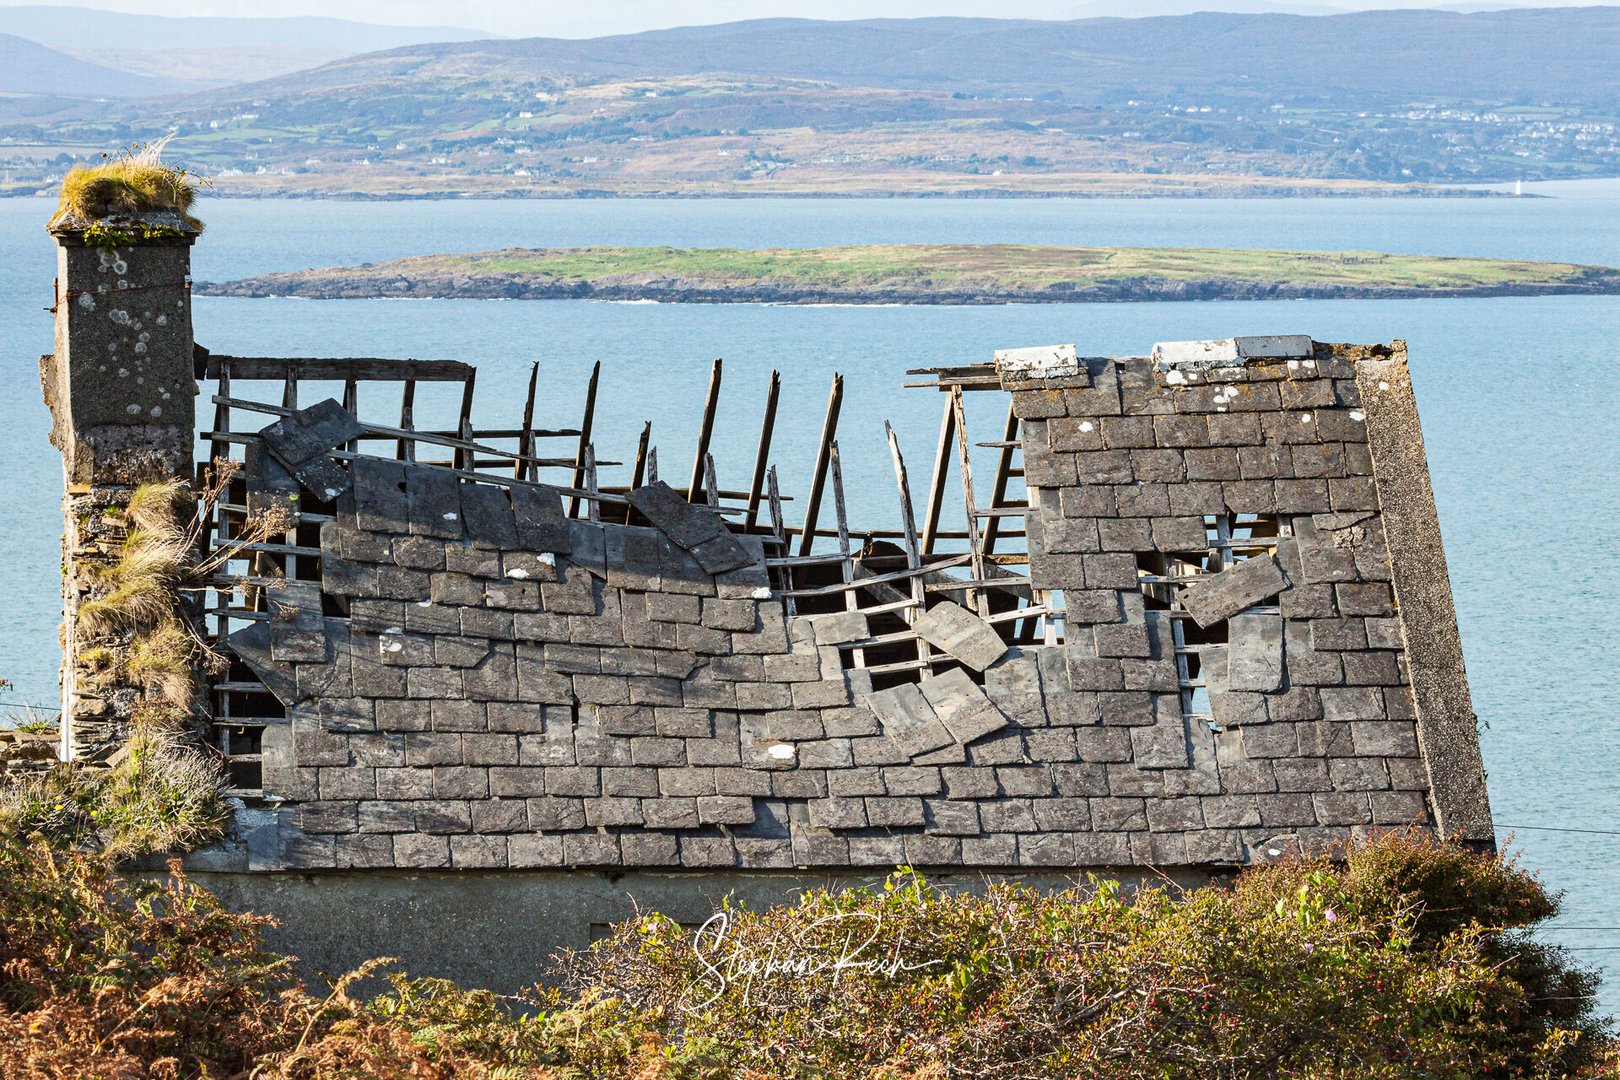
572,18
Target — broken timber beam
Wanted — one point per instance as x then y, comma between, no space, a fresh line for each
818,476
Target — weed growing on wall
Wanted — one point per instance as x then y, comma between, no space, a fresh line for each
126,185
143,647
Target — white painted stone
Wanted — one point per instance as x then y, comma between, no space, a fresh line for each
1038,362
1229,352
1176,355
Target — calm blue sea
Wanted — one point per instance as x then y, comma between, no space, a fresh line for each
1518,397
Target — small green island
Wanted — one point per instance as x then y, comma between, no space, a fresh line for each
926,274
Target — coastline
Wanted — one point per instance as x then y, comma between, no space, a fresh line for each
1144,292
937,275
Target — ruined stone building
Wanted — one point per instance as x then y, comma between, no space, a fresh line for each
1198,616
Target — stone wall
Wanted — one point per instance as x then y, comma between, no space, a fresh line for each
121,392
479,682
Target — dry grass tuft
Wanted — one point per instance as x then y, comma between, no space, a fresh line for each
160,663
142,593
165,795
155,507
135,182
153,560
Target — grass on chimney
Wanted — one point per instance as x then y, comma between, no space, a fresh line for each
133,183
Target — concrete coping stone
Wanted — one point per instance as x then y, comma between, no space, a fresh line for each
1230,352
1038,362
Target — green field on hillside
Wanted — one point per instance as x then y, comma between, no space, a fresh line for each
1010,265
924,274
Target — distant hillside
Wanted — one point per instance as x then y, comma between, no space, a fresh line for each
84,27
27,67
212,66
194,52
1527,55
1373,102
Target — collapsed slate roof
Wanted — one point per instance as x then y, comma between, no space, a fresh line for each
1223,632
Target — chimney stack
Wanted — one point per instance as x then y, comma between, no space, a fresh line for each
121,390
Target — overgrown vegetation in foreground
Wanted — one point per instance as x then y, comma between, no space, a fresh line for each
1408,959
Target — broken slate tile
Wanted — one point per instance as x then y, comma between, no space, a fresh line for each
269,484
836,628
961,633
486,514
252,645
962,706
1222,595
1255,653
721,554
696,529
297,629
380,504
310,433
908,720
540,522
323,478
435,505
673,515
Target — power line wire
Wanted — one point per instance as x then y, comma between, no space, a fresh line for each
19,704
1552,828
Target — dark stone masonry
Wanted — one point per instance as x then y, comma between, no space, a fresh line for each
479,681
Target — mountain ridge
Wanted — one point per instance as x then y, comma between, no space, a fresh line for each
1402,100
1564,53
86,27
27,67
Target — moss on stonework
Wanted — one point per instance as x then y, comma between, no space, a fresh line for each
102,235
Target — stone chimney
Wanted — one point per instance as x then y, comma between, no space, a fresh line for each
121,390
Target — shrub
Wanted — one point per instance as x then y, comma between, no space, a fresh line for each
164,795
161,795
104,976
1390,964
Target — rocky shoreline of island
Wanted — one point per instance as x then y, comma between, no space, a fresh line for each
924,275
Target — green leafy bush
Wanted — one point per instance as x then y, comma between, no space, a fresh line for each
1396,962
161,795
1391,963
